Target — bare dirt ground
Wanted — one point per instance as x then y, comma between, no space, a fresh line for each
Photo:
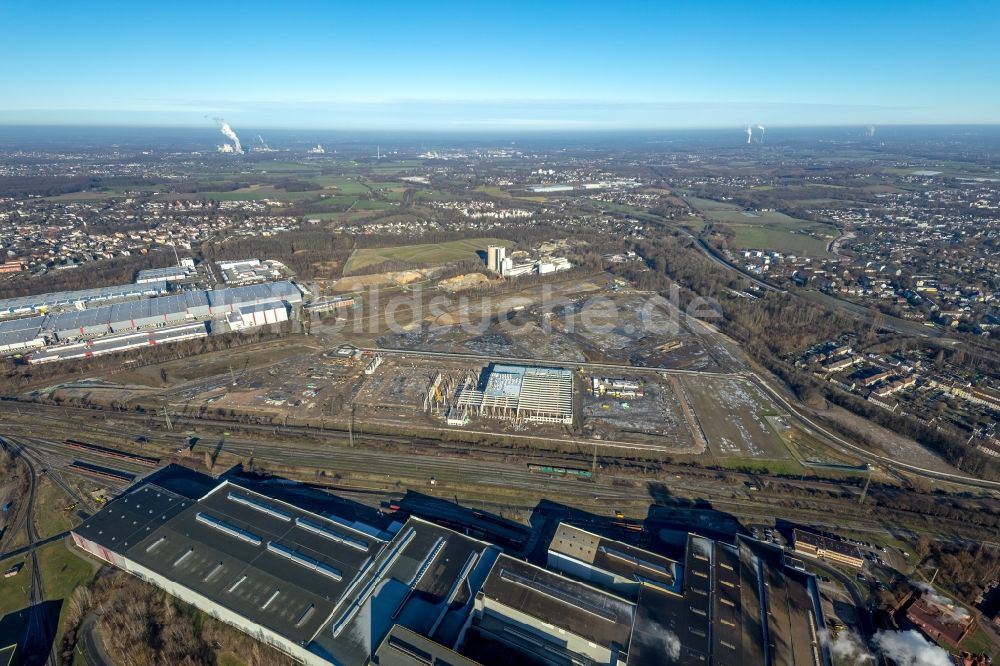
395,278
460,282
732,414
655,418
891,444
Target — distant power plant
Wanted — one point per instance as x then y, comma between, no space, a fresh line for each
227,131
749,131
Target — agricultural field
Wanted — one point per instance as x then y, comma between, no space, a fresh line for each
428,254
251,193
767,230
782,240
343,184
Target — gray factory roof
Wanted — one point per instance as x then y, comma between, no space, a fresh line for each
403,647
172,306
269,291
659,618
128,311
616,557
424,579
575,607
161,273
65,298
15,331
277,565
721,616
113,343
259,307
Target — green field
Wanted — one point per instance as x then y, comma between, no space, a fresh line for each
15,591
706,205
781,240
767,230
344,184
492,191
428,254
62,572
255,192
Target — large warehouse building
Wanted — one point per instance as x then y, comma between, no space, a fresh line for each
522,393
327,589
166,310
116,343
110,328
39,303
21,335
319,589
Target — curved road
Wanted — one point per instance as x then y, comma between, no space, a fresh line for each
90,643
868,455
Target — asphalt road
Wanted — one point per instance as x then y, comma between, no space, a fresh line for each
90,643
547,363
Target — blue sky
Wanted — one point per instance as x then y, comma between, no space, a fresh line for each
478,65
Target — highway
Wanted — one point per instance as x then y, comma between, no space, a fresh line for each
714,256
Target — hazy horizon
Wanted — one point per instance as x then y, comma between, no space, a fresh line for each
543,66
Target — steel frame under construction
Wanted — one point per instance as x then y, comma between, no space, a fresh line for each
522,393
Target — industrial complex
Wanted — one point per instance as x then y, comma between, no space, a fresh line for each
498,262
77,324
328,590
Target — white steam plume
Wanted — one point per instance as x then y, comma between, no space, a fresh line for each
761,128
749,134
952,612
228,132
870,132
846,648
670,645
909,648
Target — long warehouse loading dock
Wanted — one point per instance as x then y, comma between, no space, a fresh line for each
118,343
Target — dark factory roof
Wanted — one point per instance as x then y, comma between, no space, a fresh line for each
403,647
266,560
311,579
575,607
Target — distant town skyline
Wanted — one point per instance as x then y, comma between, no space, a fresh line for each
460,66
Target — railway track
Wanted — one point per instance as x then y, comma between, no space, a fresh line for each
40,632
142,422
362,470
